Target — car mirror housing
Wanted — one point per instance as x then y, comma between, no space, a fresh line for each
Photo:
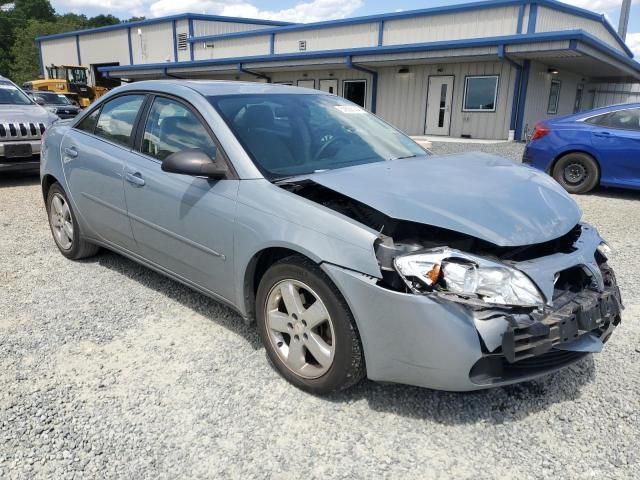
193,162
39,101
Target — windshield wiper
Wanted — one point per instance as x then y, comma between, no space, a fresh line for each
402,158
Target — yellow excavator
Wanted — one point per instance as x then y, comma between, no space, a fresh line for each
69,80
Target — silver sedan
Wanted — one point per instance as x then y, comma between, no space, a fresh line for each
356,252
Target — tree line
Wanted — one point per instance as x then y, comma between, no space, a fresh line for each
21,21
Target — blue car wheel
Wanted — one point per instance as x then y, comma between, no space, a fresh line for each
577,172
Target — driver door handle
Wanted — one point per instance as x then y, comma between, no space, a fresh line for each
71,152
135,179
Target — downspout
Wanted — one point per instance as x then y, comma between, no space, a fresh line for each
249,72
374,80
516,103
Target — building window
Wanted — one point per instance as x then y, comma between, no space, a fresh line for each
355,91
182,41
554,97
480,93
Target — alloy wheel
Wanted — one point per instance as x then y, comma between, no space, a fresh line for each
61,222
300,328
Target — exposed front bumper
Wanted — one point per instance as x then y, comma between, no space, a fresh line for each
429,341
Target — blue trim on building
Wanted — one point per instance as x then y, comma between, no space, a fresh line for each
522,98
181,16
272,43
175,40
515,102
381,33
533,17
419,47
374,81
78,49
189,39
520,18
130,46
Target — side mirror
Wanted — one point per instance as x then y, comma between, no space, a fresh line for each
39,101
193,162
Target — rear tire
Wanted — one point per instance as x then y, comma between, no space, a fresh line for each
64,226
307,328
577,172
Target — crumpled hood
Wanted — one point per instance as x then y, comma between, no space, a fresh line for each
478,194
25,114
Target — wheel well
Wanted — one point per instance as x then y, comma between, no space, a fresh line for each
564,154
47,181
256,269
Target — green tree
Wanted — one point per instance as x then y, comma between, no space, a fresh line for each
34,10
26,63
102,21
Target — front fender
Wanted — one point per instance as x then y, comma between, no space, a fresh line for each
268,217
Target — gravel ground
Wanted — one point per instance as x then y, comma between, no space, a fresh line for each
108,370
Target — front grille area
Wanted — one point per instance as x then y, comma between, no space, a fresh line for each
21,131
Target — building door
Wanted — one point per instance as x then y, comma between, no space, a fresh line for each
329,85
439,105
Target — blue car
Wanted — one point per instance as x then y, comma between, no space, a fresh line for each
587,149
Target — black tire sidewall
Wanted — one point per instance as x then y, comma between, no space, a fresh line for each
347,342
73,252
587,162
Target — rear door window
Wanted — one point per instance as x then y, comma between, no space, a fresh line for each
628,119
118,117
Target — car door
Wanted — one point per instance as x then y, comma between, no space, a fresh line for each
616,138
93,155
181,223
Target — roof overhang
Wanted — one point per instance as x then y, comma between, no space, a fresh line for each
580,52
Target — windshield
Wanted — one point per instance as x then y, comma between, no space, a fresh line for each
77,75
12,95
52,98
290,134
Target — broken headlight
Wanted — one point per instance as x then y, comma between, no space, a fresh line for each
452,271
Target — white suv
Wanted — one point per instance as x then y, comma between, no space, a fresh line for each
22,124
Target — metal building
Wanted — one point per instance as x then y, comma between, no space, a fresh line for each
481,70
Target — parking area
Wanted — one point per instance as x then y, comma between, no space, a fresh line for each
108,369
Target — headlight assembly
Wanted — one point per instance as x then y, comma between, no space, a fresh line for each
451,271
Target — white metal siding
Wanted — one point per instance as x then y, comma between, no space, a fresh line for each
402,99
208,27
182,26
538,94
233,47
603,94
59,51
550,20
452,26
105,47
352,36
152,43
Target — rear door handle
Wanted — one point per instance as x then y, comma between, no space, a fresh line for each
135,179
603,134
71,152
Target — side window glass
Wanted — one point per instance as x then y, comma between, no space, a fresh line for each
625,119
599,120
88,123
171,127
117,118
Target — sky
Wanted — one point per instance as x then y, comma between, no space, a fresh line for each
310,10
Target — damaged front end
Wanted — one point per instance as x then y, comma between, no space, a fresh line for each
535,307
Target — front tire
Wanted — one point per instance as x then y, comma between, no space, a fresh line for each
307,327
577,172
64,226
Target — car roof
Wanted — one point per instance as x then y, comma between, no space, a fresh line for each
220,87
